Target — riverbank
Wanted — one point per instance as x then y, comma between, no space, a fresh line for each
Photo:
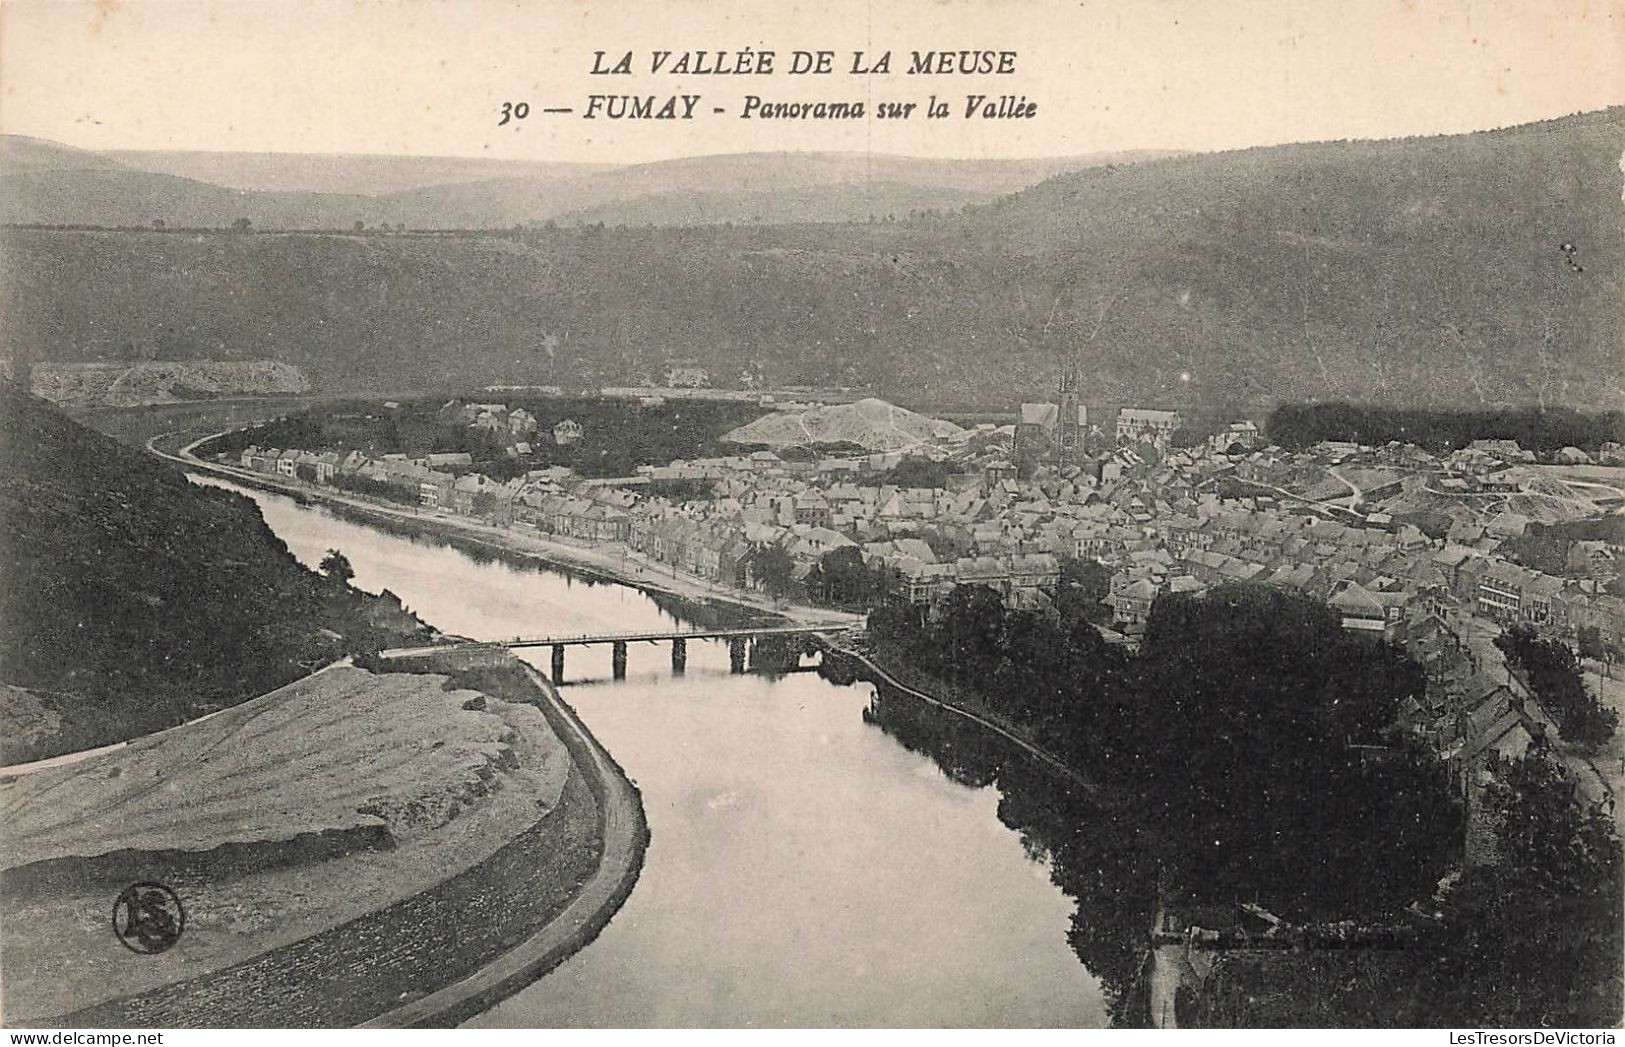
624,832
448,951
955,703
695,598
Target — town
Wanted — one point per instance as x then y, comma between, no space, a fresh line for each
1414,547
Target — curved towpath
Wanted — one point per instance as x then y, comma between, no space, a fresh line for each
1049,759
625,835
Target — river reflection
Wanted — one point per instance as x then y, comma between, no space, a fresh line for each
1094,849
805,868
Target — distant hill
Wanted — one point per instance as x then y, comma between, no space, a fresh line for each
1475,269
115,197
769,188
345,175
135,599
52,184
20,154
813,203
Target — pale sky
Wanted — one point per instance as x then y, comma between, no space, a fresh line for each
422,77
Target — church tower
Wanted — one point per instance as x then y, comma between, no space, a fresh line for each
1069,428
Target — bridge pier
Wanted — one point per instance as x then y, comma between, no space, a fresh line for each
773,654
738,648
679,656
558,664
617,659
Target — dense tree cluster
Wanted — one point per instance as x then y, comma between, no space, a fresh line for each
1253,728
1559,685
1531,942
1535,429
1266,732
617,435
1534,940
773,570
389,491
1082,591
1249,756
841,577
336,566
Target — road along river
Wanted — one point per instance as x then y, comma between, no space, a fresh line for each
805,868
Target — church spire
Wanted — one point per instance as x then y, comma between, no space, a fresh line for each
1069,434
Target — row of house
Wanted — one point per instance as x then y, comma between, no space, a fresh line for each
1159,518
1024,580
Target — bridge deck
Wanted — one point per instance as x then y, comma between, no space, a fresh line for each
586,639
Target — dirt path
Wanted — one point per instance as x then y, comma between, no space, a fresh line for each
1330,509
1169,970
1353,498
1042,755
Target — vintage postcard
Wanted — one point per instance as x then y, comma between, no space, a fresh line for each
1103,514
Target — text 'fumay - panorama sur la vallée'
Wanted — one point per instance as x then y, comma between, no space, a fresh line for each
685,107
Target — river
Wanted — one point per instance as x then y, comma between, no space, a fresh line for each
805,868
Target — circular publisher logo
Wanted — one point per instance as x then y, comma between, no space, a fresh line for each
148,918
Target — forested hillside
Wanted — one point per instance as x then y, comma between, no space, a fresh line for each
135,599
1477,269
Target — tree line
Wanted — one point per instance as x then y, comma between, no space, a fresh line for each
1542,430
617,436
1559,685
